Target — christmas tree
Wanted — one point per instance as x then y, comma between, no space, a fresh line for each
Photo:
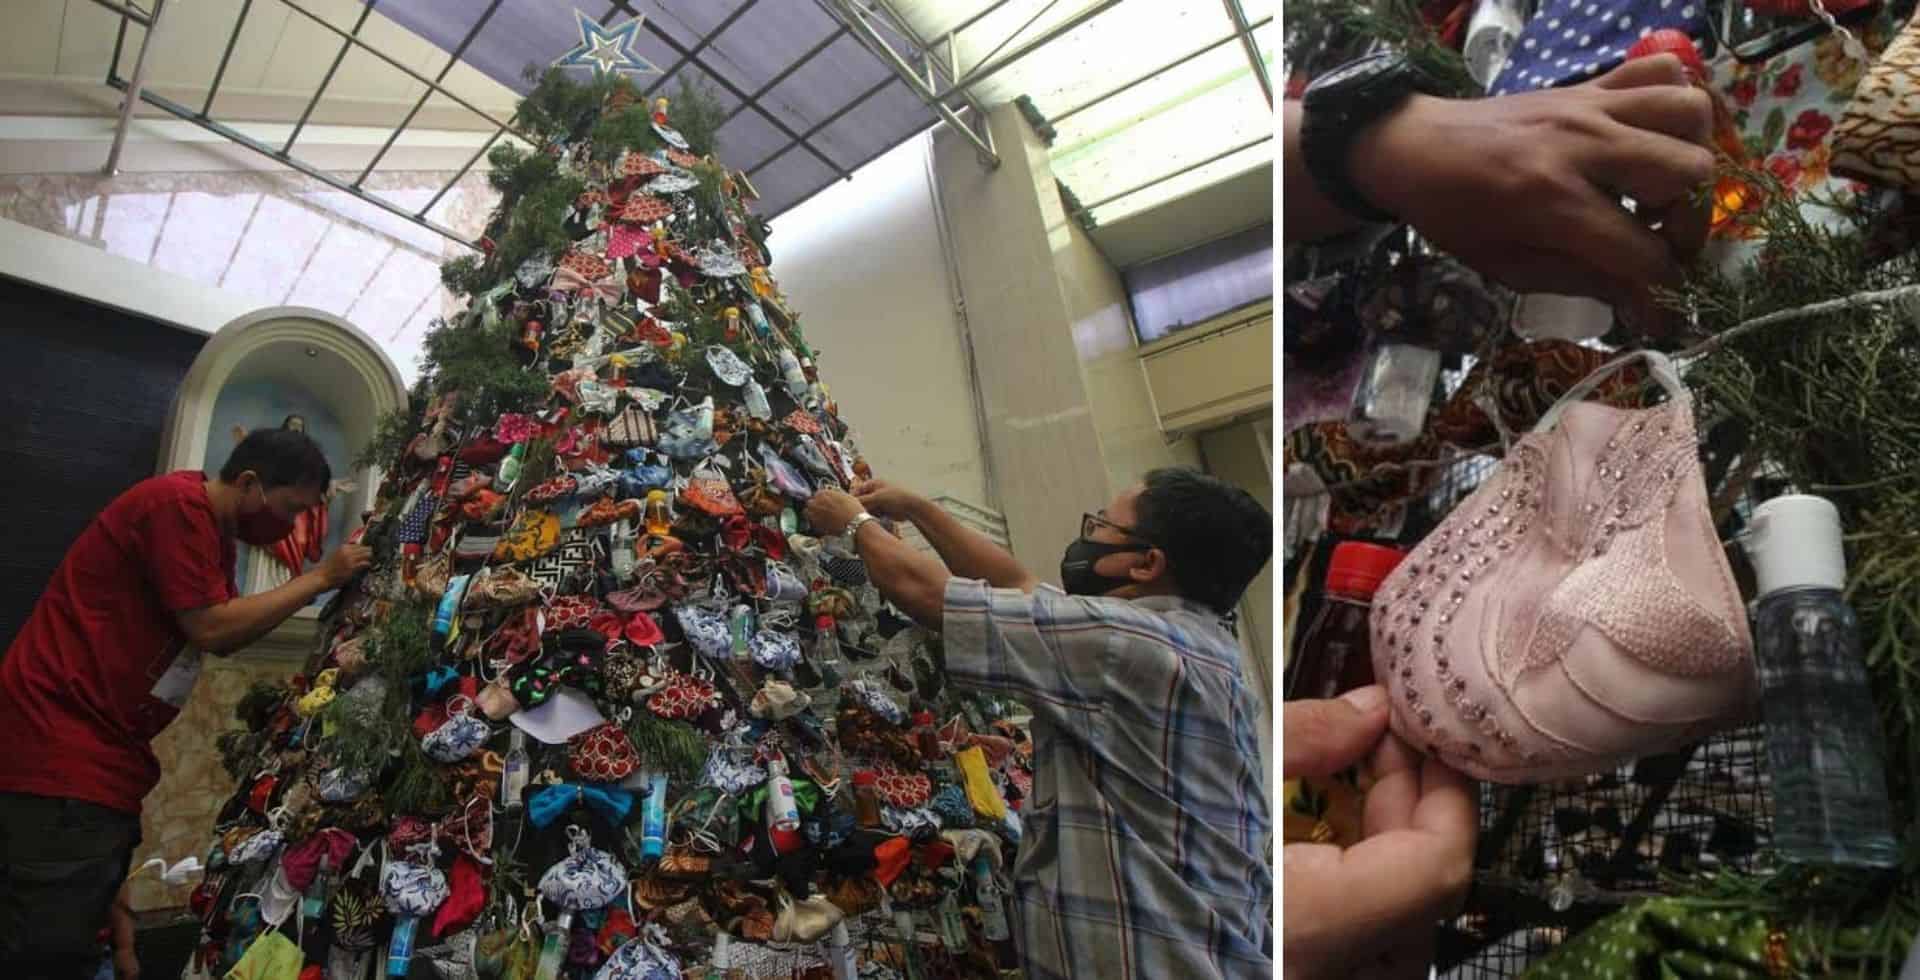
603,705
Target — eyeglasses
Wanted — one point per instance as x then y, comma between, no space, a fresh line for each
1090,522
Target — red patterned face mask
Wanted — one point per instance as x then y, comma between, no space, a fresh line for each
603,754
903,789
685,698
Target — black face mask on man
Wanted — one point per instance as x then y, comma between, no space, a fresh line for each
1077,576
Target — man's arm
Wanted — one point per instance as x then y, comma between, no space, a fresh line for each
906,577
1552,164
967,552
1308,216
232,625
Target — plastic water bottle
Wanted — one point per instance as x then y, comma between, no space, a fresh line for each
1396,389
313,904
1823,734
513,781
783,809
653,817
1491,34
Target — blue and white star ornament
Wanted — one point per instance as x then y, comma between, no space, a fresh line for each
607,50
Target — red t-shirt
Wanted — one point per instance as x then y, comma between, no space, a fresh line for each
92,678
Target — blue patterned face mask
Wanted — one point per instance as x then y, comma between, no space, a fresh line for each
587,878
689,432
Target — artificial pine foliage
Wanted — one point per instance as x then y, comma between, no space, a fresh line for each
625,583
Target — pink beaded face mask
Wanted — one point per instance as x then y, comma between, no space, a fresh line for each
1576,611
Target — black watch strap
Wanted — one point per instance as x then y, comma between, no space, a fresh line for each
1326,151
1337,108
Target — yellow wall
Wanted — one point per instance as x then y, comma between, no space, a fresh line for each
177,818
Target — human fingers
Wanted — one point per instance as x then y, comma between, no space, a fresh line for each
1654,169
1659,69
1385,886
1320,738
1680,111
1449,805
1394,789
1685,225
1624,252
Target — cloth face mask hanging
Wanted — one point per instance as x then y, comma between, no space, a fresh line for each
1576,611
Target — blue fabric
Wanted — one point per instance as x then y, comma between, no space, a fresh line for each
553,802
1570,41
413,529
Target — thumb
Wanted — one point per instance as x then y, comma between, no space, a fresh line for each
1320,738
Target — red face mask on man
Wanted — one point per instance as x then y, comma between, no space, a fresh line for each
261,527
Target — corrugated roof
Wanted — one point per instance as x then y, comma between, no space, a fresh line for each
808,103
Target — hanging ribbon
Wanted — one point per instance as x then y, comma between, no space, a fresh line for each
566,280
551,803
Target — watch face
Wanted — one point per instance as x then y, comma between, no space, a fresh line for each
1353,71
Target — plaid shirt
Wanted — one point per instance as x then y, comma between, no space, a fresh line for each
1145,848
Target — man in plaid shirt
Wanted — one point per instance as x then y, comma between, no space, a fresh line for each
1145,848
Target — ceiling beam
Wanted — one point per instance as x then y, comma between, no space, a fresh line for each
721,79
134,89
831,118
327,79
705,39
853,17
465,42
982,72
1163,178
410,73
839,32
1169,66
1239,18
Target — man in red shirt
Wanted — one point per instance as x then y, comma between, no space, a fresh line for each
108,658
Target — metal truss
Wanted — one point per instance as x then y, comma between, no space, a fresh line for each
929,67
686,56
136,93
1243,33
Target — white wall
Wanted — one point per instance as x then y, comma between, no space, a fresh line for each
863,265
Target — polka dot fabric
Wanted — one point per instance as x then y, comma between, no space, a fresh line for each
1672,939
1570,41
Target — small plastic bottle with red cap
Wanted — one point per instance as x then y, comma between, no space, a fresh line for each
1332,656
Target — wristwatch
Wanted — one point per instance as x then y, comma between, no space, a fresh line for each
859,520
1337,107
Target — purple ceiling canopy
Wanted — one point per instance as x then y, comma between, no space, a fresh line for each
807,104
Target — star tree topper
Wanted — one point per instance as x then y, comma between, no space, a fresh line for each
607,50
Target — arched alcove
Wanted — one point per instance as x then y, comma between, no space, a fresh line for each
265,363
274,362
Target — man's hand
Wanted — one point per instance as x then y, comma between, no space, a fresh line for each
883,499
1526,188
830,511
1381,898
348,560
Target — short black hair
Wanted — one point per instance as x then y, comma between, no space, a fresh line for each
281,458
1215,535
